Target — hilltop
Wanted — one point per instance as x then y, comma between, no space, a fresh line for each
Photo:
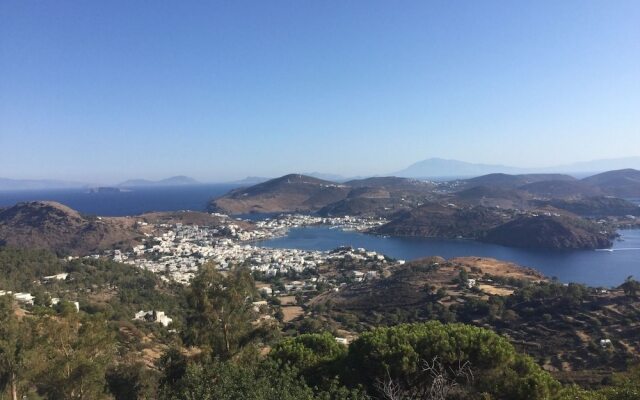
56,227
513,181
442,168
444,221
289,193
535,229
596,207
620,183
493,197
558,188
550,232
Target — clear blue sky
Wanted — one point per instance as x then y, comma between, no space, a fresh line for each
106,90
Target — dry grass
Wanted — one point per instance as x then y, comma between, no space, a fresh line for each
291,313
287,300
495,267
498,291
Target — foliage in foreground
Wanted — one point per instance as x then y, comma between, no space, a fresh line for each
57,353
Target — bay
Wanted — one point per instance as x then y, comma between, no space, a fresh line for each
605,268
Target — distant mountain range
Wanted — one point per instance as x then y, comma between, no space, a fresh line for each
448,169
173,181
432,168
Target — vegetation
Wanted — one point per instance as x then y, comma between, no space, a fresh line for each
222,350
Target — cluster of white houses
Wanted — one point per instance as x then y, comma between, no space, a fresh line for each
177,251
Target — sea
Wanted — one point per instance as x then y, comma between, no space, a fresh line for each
604,267
132,201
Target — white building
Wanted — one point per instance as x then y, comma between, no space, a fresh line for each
57,277
24,298
153,316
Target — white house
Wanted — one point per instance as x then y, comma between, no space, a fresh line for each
153,316
24,298
57,277
342,340
605,342
56,300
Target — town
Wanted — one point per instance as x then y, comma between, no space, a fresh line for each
176,251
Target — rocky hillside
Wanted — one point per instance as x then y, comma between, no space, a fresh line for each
507,227
550,232
55,227
392,183
444,221
623,183
493,197
290,193
597,207
513,181
561,189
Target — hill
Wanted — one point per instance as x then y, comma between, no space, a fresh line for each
391,182
495,225
599,206
250,180
441,168
55,227
563,188
493,197
549,232
289,193
442,221
173,181
620,183
513,181
303,193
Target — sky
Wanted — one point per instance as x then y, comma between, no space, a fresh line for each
103,91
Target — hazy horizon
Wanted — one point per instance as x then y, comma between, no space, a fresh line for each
105,92
578,169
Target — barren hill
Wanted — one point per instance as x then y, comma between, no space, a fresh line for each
620,183
550,232
514,181
561,189
493,197
53,226
444,221
289,193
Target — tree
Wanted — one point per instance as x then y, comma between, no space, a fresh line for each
398,353
15,345
220,310
75,352
220,380
442,382
316,355
631,287
132,381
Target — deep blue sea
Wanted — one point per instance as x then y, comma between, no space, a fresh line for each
595,268
136,201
